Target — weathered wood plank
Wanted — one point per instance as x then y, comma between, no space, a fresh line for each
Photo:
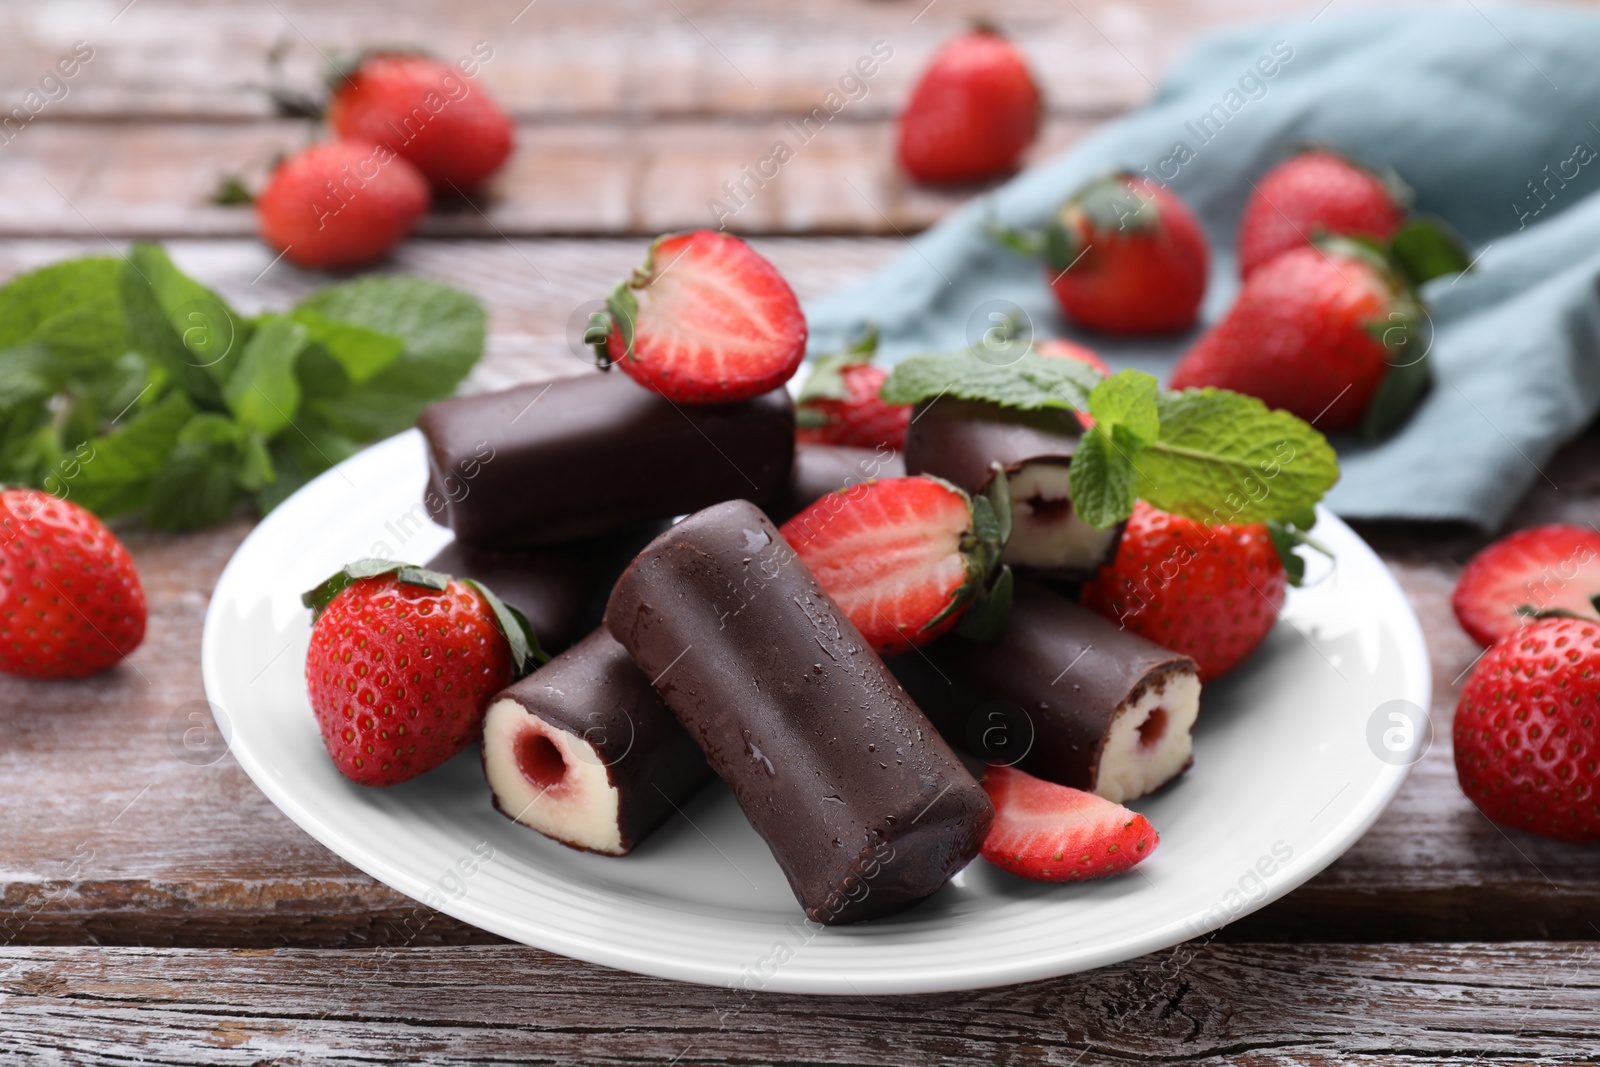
202,858
584,58
84,179
1254,1004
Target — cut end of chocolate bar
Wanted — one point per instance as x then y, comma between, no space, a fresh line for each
550,780
1151,740
1047,534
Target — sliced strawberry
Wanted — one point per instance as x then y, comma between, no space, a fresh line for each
1051,833
705,320
904,557
840,404
1547,568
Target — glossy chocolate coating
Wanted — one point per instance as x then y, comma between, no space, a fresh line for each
1049,686
823,469
544,464
961,441
863,804
593,691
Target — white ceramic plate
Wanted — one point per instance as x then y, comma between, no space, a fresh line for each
1295,755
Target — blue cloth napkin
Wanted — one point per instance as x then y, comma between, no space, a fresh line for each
1492,115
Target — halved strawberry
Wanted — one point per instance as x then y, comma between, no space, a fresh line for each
840,404
906,558
1051,833
705,320
1546,568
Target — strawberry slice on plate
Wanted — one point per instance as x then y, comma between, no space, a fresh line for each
1554,569
906,558
706,320
1051,833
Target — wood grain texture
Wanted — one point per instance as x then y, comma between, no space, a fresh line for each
202,858
586,58
117,179
1210,1004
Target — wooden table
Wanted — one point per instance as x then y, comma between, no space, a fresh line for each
156,910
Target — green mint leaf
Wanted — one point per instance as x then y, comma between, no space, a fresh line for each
1223,457
1102,481
215,463
180,324
361,353
1125,404
298,455
998,493
1028,381
262,391
442,331
112,473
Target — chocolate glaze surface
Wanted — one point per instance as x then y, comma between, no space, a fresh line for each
823,469
561,590
553,462
865,807
961,440
593,691
1049,686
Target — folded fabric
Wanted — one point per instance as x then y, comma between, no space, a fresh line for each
1491,115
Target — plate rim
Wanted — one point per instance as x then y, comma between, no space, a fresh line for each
946,978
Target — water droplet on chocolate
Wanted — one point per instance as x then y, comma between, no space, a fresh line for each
836,800
756,540
758,756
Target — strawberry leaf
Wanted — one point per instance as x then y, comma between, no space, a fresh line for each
525,650
513,624
1401,390
1426,248
987,616
826,380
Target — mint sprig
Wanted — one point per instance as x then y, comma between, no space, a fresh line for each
1209,454
1022,379
127,386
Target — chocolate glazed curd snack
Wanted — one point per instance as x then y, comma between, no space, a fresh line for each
823,469
962,441
863,804
1064,694
584,751
554,462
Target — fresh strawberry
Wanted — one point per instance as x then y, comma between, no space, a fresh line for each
1124,256
1052,833
442,122
402,665
840,404
1210,592
1526,735
1307,335
340,204
70,599
706,320
1314,193
1546,568
973,113
905,558
1056,348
